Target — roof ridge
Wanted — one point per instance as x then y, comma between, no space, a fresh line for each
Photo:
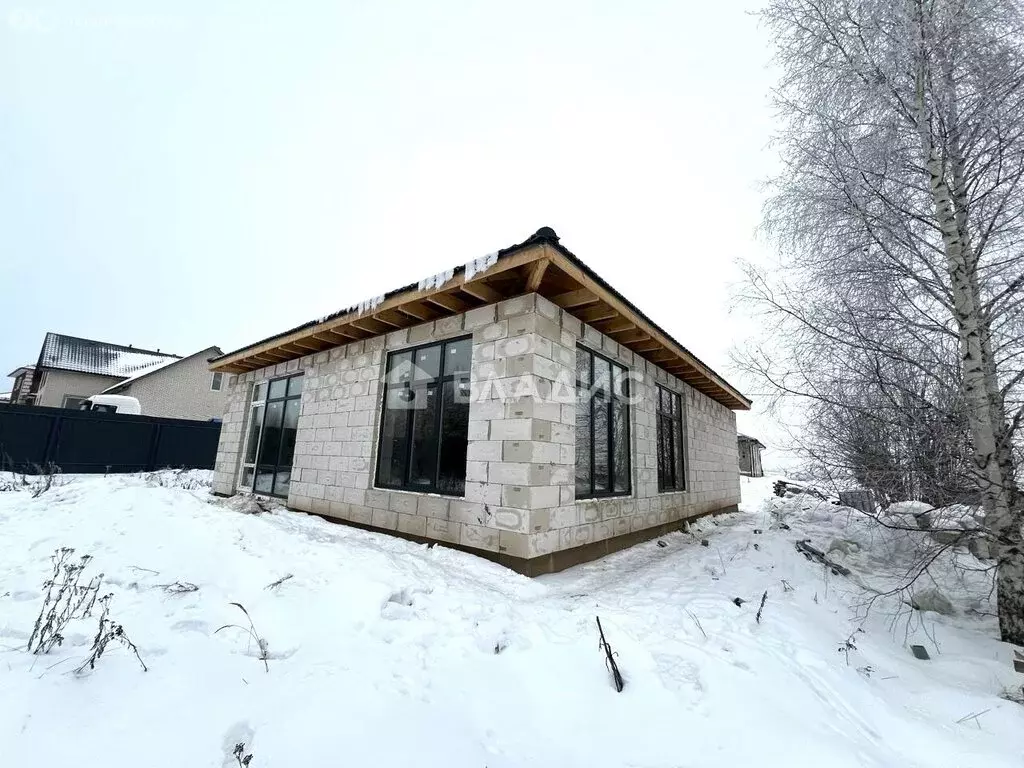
121,347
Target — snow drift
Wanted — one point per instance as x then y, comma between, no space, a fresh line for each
388,653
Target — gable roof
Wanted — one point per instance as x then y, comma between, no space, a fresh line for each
539,264
748,439
70,353
156,368
21,370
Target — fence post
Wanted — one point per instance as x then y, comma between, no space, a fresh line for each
154,443
52,440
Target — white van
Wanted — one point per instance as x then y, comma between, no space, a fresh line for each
111,404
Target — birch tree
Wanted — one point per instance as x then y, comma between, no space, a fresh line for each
898,218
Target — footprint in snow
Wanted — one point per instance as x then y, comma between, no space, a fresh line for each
399,605
24,595
239,733
191,625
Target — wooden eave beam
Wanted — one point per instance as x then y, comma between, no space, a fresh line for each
615,326
417,311
537,275
273,355
573,299
330,338
595,314
630,337
391,317
335,336
448,302
265,359
478,289
369,325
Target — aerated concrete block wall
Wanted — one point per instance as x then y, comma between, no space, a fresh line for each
519,500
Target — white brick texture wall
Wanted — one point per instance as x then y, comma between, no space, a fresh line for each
520,474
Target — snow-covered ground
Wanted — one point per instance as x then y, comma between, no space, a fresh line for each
387,653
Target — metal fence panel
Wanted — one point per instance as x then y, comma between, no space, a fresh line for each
90,442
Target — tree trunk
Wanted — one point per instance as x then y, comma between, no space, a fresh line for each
985,409
1010,591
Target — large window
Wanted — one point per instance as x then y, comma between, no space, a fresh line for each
425,423
270,442
671,471
602,426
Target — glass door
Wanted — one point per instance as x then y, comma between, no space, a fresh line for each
270,445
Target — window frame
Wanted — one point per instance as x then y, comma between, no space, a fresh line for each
675,419
439,381
611,397
80,398
254,465
217,382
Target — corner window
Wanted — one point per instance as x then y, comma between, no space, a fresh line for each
671,471
602,426
217,382
270,437
425,419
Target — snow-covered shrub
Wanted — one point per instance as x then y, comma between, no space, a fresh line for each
1013,694
240,755
66,599
107,632
44,480
254,636
185,479
931,599
38,484
248,504
913,508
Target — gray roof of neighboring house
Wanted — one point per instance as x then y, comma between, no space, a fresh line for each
154,368
70,353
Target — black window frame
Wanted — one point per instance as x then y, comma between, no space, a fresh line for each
670,419
610,399
78,404
439,381
263,433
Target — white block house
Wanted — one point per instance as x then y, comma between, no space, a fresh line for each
517,407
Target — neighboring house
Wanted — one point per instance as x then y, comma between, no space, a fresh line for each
71,369
750,456
178,388
22,381
517,407
5,397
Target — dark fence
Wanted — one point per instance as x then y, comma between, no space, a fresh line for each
33,437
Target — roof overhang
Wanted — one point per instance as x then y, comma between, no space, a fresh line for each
539,265
19,371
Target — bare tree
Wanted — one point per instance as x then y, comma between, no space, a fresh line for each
898,216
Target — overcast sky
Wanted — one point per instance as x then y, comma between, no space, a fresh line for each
213,173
